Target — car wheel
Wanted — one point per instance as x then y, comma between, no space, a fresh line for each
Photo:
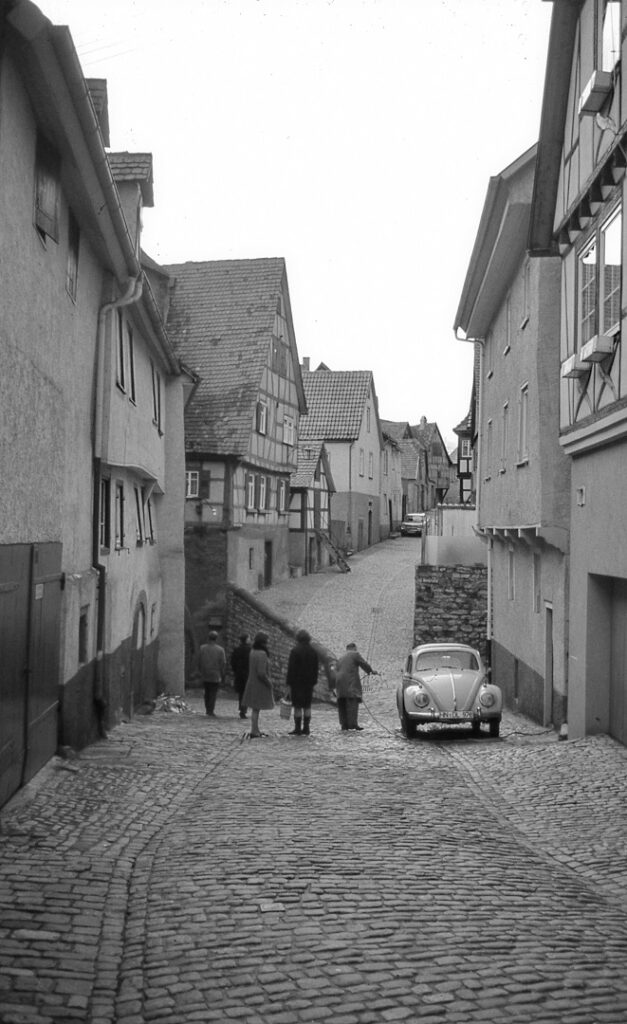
495,727
476,727
409,727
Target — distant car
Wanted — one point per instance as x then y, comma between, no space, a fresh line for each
447,683
413,524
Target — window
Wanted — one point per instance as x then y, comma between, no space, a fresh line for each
611,35
105,513
192,483
156,397
139,517
526,294
465,449
83,635
149,528
47,189
504,435
131,362
368,418
523,424
282,496
361,462
537,568
288,430
508,325
73,242
370,465
599,273
510,574
250,490
263,488
119,516
488,450
262,418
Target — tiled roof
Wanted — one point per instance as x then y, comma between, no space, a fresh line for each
308,458
134,167
220,321
396,430
335,403
410,453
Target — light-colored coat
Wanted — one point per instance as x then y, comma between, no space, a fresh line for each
347,680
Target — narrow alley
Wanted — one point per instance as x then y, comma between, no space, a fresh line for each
178,872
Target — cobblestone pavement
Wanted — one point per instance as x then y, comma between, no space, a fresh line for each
180,872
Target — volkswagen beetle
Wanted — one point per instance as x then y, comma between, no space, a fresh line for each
447,683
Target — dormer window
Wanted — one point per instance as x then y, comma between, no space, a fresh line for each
262,418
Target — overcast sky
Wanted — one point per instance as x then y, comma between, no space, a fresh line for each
355,138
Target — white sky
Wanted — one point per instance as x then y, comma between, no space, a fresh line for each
355,138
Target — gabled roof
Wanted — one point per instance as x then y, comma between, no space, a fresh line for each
309,455
411,450
220,321
335,401
397,431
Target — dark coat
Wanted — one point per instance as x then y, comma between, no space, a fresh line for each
302,673
239,664
347,679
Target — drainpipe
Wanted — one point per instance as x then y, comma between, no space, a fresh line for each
131,295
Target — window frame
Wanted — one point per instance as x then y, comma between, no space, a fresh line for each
104,514
523,424
139,516
73,255
289,430
119,516
591,315
261,420
47,189
156,397
190,474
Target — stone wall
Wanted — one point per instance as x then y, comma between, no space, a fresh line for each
451,604
246,613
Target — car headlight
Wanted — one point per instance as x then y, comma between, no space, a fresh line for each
421,699
487,699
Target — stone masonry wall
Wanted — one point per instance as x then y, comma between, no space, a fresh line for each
451,604
247,614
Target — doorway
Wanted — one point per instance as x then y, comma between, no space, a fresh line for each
547,712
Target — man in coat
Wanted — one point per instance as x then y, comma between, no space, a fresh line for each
212,664
348,686
302,676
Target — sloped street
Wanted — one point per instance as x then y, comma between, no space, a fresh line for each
180,872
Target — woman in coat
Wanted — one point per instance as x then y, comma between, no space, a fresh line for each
258,692
302,676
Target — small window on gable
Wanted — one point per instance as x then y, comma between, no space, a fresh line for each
71,278
262,418
47,189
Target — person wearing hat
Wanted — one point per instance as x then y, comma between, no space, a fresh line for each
302,676
257,694
240,658
348,686
212,664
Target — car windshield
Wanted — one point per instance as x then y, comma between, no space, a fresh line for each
414,518
429,661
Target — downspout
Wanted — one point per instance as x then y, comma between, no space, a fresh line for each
481,343
131,295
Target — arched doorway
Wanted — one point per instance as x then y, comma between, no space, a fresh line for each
138,645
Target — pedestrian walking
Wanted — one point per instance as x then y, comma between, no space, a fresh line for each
240,658
302,676
257,694
348,686
212,664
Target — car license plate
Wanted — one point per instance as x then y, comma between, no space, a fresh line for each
458,716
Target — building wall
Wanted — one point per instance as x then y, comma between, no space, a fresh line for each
530,629
598,516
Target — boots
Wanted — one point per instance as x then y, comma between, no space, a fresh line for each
296,731
306,726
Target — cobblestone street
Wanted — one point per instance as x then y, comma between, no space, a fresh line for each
179,872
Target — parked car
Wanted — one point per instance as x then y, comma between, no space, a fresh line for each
413,524
447,683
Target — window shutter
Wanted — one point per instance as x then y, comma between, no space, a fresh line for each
268,492
257,488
